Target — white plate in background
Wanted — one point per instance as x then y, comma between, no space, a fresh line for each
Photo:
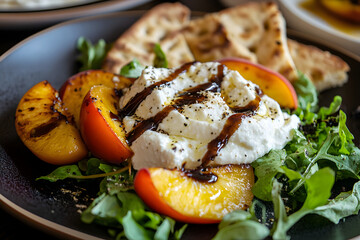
303,20
307,22
37,19
38,5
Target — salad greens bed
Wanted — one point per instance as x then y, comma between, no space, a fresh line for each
290,183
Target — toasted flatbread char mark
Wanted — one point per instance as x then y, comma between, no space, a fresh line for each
159,25
254,31
209,40
324,69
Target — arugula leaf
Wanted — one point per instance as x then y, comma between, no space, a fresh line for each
240,224
279,229
91,169
332,109
92,166
235,216
318,187
87,216
120,209
91,56
132,70
133,230
299,152
160,60
105,210
344,133
117,183
307,166
61,173
297,179
163,231
266,168
306,92
348,165
178,233
345,204
126,211
321,154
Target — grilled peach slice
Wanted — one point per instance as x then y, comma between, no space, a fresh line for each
46,128
348,10
173,193
76,87
271,83
100,127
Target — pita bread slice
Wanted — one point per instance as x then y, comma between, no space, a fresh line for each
159,25
176,50
323,68
254,31
209,40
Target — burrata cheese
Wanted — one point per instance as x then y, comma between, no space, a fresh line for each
197,119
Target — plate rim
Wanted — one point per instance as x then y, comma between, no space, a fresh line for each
41,223
42,18
310,19
22,9
65,23
56,229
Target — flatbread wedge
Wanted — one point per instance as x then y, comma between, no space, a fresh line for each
254,31
324,69
159,25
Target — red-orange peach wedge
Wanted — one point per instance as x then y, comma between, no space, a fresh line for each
76,87
100,127
46,128
271,83
183,198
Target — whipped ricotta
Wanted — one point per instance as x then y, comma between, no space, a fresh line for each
182,119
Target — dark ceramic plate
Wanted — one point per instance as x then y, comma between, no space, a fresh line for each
51,55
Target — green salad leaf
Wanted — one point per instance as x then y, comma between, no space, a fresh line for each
343,205
306,93
298,180
266,168
132,70
61,173
241,224
290,183
117,205
318,191
160,60
120,208
91,56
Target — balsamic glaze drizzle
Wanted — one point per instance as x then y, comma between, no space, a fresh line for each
134,103
187,97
